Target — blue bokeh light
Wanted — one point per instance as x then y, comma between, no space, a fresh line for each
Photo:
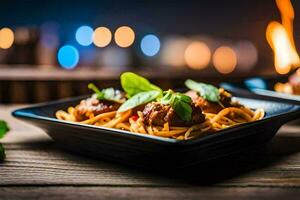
256,83
150,45
68,56
84,35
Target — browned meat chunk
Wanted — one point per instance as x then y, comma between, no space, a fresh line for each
158,114
211,107
94,106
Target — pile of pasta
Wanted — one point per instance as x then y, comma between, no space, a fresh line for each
227,117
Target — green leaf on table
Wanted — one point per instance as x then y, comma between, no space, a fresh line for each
3,128
206,91
133,84
109,94
2,153
139,99
179,102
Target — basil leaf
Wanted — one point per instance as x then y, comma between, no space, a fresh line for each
134,84
179,102
183,110
182,106
3,128
207,91
139,99
2,153
109,94
184,98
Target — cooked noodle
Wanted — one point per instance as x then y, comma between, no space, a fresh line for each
226,118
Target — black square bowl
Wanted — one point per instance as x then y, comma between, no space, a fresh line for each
156,152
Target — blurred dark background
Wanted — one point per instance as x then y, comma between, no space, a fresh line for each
181,32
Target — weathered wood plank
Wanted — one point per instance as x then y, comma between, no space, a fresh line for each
44,163
70,193
51,166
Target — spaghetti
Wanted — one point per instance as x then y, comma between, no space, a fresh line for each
134,122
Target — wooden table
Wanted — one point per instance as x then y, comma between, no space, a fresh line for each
35,168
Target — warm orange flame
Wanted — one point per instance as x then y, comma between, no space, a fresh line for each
280,38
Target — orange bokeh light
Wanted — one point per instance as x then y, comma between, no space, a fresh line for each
6,38
197,55
224,59
124,36
247,55
102,37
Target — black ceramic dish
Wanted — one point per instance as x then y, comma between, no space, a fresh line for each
267,92
156,152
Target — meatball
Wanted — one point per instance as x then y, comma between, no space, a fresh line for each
94,106
211,107
158,114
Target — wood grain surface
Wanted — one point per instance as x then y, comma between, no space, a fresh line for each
36,168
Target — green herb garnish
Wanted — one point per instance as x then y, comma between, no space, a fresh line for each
139,99
179,102
2,153
134,84
3,130
109,94
207,91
